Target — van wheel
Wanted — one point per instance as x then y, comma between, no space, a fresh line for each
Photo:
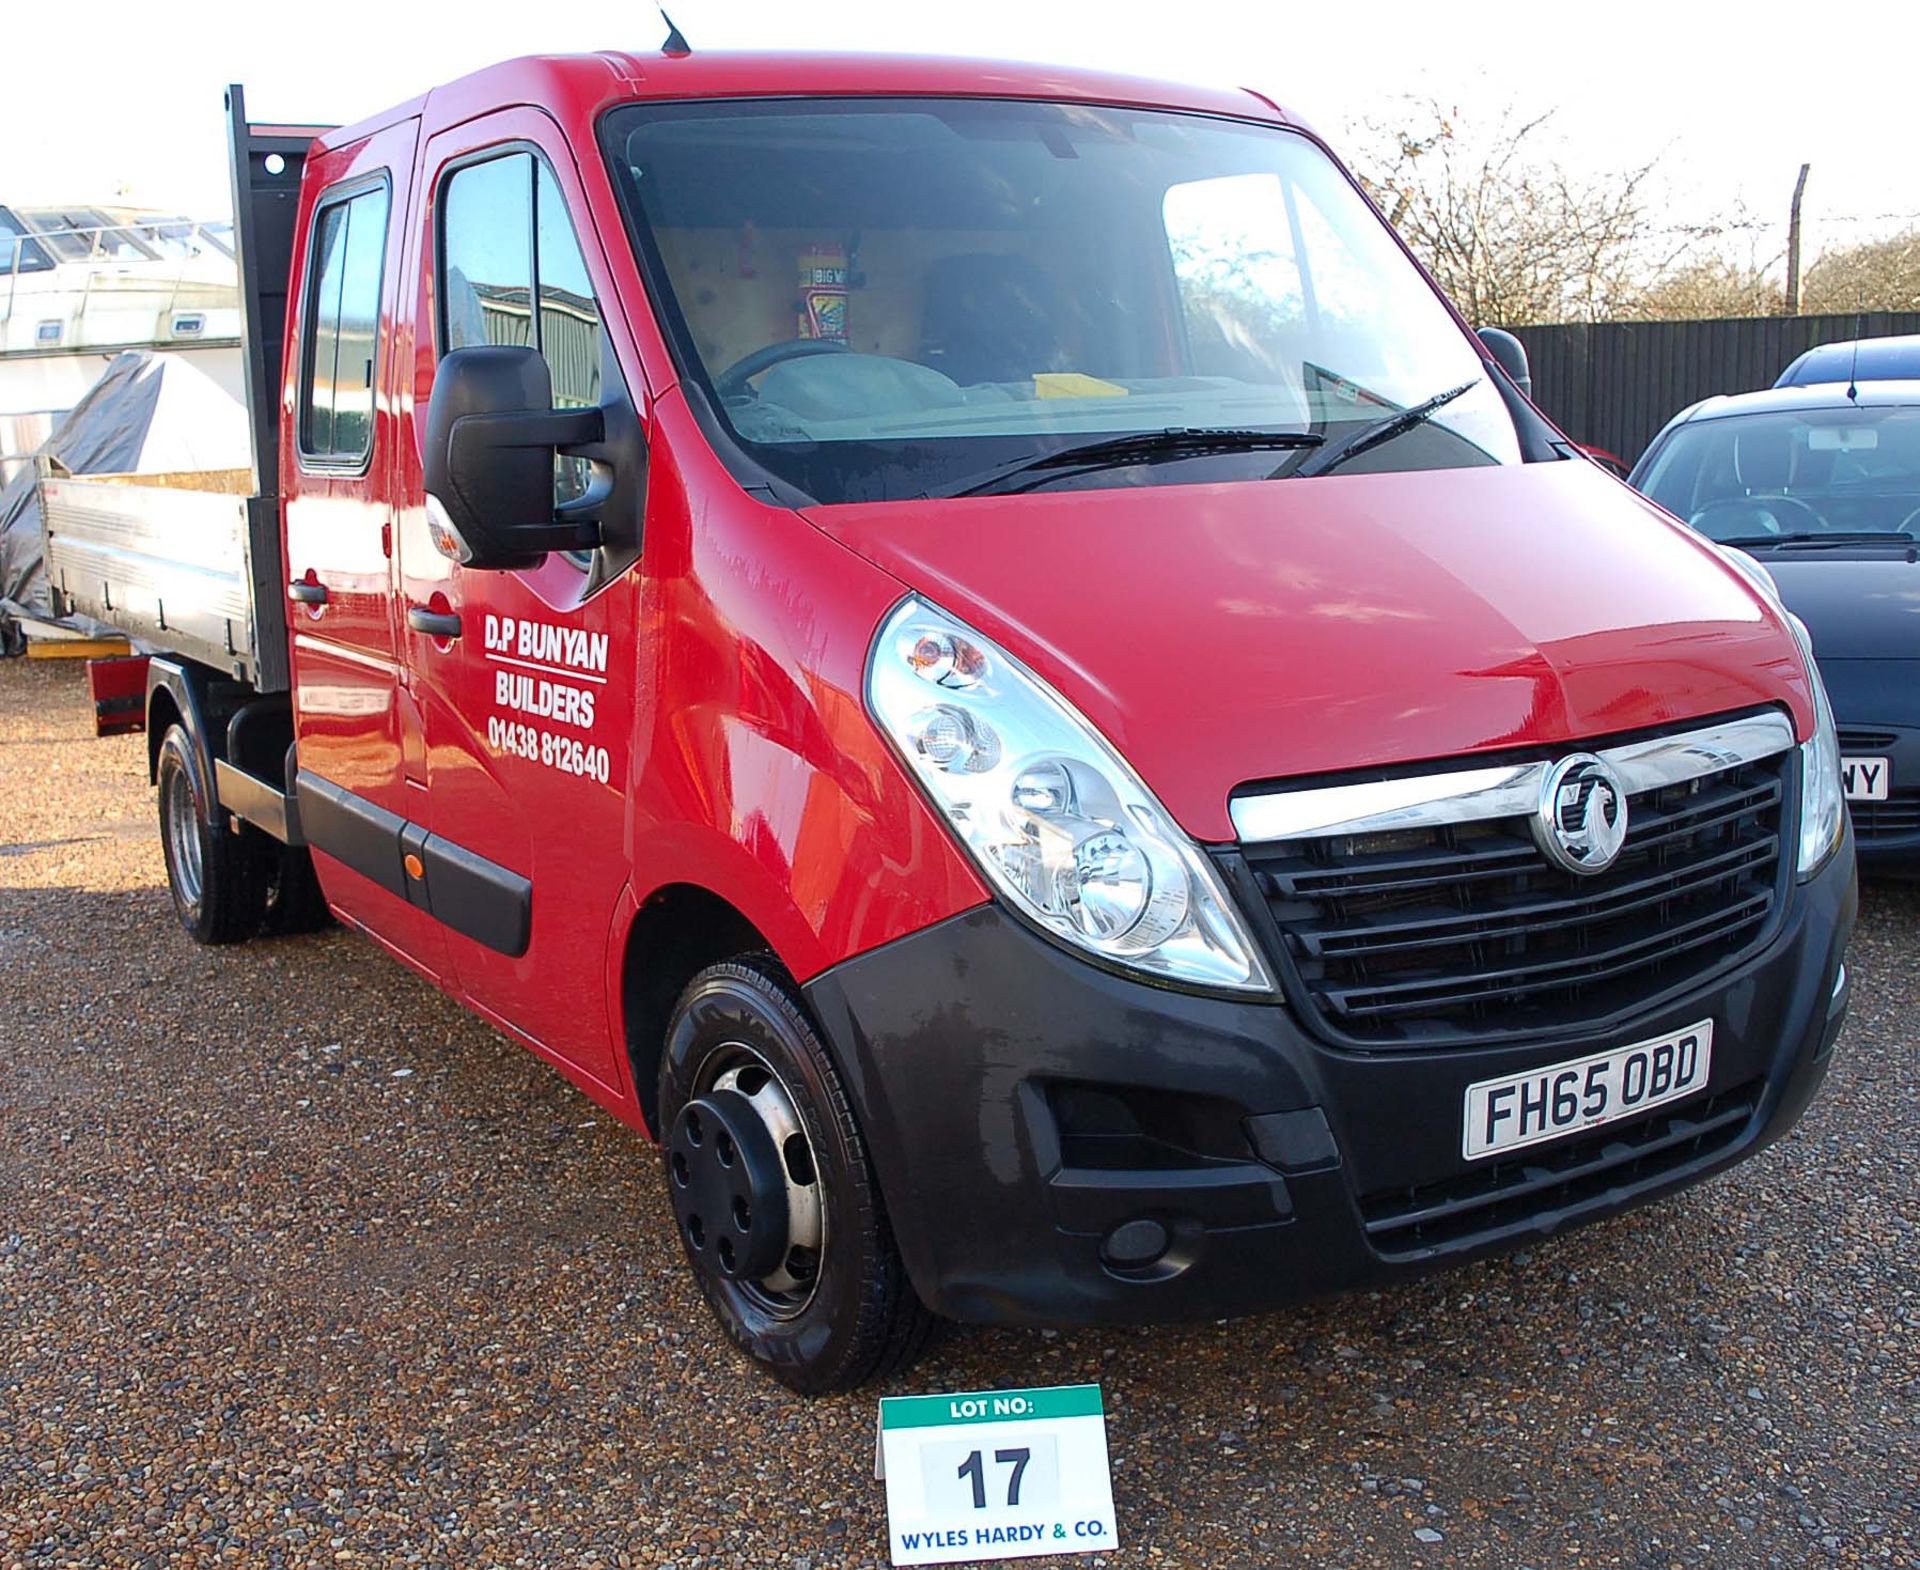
775,1200
294,901
219,879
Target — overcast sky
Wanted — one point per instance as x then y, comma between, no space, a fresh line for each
115,96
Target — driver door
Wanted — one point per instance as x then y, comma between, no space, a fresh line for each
521,683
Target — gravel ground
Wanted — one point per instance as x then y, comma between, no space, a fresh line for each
300,1264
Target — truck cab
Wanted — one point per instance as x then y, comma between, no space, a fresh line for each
976,651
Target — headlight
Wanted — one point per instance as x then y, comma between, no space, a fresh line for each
1062,828
1821,802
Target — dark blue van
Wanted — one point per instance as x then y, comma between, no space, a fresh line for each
1856,360
1821,486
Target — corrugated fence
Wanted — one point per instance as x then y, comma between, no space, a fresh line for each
1614,384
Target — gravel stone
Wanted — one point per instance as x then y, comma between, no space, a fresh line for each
302,1265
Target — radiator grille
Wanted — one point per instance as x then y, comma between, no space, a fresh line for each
1437,935
1876,820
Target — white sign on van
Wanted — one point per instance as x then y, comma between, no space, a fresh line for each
996,1474
552,673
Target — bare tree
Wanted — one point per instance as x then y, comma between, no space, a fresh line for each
1511,234
1877,275
1516,237
1712,287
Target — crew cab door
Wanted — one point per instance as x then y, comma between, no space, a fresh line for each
522,682
336,463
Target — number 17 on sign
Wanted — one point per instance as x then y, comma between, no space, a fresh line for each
996,1474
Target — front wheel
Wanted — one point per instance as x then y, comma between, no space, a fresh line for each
772,1190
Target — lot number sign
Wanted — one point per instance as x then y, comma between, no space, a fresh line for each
996,1474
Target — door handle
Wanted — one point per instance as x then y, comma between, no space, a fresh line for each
307,593
435,624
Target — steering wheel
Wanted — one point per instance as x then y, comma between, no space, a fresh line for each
732,382
1800,515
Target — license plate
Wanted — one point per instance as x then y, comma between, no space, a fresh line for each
1549,1103
1866,779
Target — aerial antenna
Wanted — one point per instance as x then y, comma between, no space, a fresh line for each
1853,371
676,45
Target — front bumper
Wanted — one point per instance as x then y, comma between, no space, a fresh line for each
1864,693
1886,834
1060,1145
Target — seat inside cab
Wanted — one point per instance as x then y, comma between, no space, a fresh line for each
978,306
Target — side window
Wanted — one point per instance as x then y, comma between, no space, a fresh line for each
569,321
487,253
514,275
343,328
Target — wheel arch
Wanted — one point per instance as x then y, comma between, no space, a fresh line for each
176,696
673,933
163,713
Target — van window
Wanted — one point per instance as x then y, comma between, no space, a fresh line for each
569,320
343,329
877,299
487,253
507,243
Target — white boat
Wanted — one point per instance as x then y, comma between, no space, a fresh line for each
81,282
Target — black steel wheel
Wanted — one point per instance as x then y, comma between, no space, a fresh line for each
219,878
772,1192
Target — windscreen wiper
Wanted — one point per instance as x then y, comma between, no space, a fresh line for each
1808,540
1372,435
1118,451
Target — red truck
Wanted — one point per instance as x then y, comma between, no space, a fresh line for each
976,650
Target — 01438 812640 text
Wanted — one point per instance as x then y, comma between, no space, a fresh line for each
567,754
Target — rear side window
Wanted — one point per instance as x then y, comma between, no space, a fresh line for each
343,328
514,275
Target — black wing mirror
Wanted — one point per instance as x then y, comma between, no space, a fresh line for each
1510,354
492,433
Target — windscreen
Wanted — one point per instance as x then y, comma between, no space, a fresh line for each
884,298
1752,478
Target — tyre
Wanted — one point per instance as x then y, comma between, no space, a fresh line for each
775,1199
219,879
294,901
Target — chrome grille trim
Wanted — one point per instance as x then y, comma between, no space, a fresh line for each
1508,791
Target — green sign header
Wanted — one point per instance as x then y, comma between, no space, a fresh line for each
990,1406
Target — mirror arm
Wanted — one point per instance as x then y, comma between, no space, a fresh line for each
585,509
555,428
